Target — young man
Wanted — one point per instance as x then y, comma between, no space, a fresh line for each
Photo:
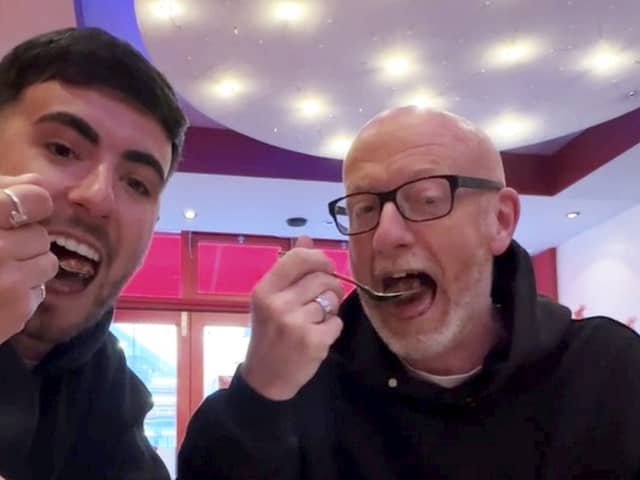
90,134
472,375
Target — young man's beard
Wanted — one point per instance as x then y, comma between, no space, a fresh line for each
39,329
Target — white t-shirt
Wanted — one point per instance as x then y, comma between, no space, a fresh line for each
446,381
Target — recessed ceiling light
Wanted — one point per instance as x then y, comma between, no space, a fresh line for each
189,213
289,11
572,215
397,64
166,9
513,52
338,145
228,87
607,59
424,98
510,127
310,106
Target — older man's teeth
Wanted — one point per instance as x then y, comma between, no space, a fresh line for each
409,280
77,247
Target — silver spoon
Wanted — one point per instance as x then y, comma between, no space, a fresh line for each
374,294
370,292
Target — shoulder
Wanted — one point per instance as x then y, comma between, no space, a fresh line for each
605,342
601,329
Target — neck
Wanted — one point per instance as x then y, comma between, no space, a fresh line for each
468,351
29,349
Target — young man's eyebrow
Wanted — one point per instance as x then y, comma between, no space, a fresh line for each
144,158
76,123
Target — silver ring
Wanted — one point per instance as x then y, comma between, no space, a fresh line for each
17,216
43,291
324,304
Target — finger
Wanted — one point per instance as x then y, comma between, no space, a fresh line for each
328,303
292,267
316,310
308,288
34,271
25,178
303,241
325,333
25,242
24,203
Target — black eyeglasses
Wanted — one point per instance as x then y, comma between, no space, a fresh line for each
420,200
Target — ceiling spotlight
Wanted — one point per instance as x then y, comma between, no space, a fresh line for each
397,64
189,213
338,145
572,215
166,9
607,59
228,87
510,127
424,99
289,11
513,52
310,106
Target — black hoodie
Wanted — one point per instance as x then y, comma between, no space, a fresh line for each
556,399
77,415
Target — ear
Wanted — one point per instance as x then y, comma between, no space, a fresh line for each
507,214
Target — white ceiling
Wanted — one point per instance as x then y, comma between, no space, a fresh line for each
335,53
260,206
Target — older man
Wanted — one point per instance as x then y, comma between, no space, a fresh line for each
90,133
466,374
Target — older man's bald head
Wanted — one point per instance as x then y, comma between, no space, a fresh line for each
464,147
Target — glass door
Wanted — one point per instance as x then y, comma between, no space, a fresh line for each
150,342
218,345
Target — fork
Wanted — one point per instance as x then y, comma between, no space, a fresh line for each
374,294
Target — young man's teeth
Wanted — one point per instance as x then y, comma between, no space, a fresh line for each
74,246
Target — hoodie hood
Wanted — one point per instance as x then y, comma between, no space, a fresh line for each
534,327
78,350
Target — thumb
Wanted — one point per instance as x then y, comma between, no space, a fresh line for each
303,242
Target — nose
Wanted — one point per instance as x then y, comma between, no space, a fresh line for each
95,191
392,231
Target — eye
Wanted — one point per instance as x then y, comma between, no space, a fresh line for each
364,209
138,187
430,199
60,150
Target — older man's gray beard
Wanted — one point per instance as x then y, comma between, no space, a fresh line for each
463,312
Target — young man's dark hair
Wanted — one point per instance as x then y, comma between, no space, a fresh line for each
94,58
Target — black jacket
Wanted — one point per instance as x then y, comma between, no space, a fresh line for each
558,399
77,415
